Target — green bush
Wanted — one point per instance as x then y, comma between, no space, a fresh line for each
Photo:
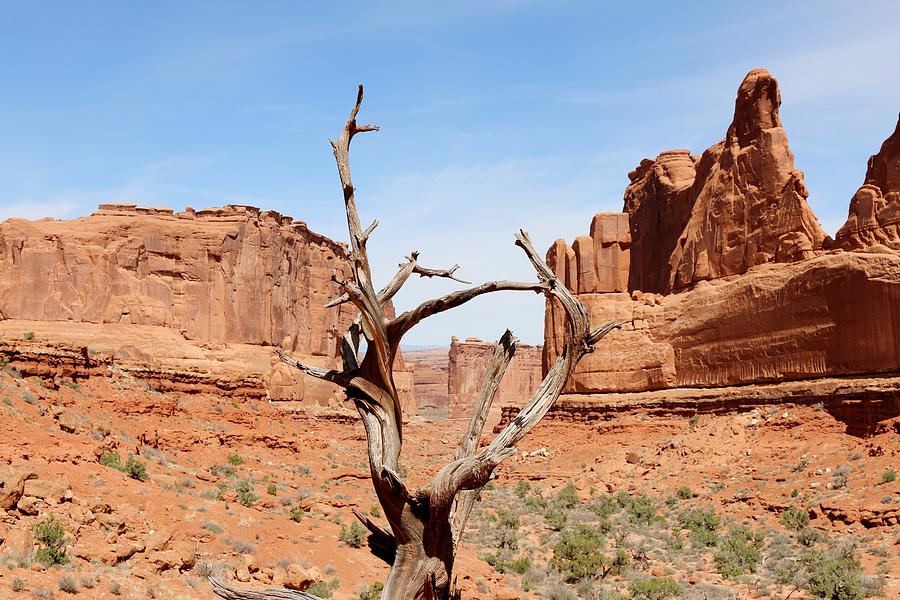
506,531
556,517
52,538
372,592
641,510
702,524
297,513
684,493
794,518
111,459
738,552
888,476
272,489
324,589
135,469
567,497
29,336
579,553
522,489
235,460
246,495
605,506
807,536
354,536
834,575
653,588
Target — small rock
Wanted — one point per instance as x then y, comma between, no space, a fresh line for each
633,458
298,578
67,422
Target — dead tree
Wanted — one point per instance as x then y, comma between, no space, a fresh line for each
425,525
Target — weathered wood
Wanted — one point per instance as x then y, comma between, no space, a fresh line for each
425,525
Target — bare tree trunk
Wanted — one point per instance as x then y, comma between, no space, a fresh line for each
425,525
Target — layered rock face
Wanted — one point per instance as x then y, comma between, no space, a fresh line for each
182,291
469,361
430,376
749,203
729,282
875,209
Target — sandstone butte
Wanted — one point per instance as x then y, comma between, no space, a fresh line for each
189,301
724,279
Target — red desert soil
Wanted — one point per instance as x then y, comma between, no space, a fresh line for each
158,538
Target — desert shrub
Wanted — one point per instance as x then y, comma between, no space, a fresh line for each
324,589
800,466
235,460
246,495
29,336
605,506
738,552
213,528
242,546
567,497
135,469
834,575
18,584
354,536
579,553
684,493
794,518
375,511
520,565
653,588
702,524
506,531
888,476
111,459
522,489
641,510
68,585
808,536
694,420
272,489
556,517
297,513
52,538
372,592
841,477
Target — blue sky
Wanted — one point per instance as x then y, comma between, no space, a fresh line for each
494,115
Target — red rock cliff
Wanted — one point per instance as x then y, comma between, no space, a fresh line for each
745,294
875,209
229,283
469,361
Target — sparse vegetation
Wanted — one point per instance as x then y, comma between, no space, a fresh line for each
68,584
51,537
841,477
246,495
135,469
794,518
738,552
653,588
324,589
579,553
888,476
111,459
28,336
703,524
354,535
235,460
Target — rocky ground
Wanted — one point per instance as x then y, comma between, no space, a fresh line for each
140,494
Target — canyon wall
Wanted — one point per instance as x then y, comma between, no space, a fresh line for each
430,377
723,277
469,361
209,292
